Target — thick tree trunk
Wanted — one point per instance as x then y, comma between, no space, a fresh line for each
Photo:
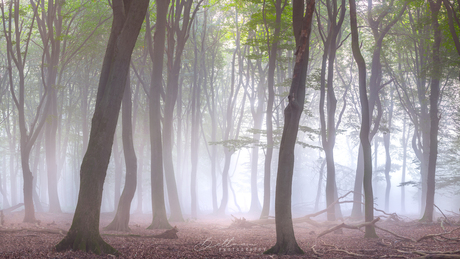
121,220
285,239
84,231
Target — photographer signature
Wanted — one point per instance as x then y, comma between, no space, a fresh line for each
208,244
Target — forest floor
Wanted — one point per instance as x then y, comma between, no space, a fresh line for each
227,238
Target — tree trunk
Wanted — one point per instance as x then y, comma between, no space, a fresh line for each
434,119
84,231
365,125
159,219
272,45
285,239
405,141
386,143
121,220
328,127
118,172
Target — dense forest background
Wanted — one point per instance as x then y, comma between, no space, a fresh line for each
226,71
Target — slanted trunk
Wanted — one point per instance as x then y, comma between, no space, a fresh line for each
84,231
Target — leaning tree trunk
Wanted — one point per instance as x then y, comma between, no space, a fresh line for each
121,220
285,239
84,232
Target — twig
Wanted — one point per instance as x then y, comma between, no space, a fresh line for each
314,251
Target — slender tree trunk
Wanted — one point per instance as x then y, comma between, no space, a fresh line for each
405,141
435,5
285,239
159,219
365,125
386,142
121,220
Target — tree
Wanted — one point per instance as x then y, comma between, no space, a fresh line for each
84,233
379,31
179,24
285,239
121,220
436,73
272,45
365,124
328,130
156,52
18,54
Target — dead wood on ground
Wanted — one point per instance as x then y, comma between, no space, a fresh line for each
241,223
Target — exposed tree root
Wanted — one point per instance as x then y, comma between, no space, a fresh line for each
91,242
291,248
119,224
159,222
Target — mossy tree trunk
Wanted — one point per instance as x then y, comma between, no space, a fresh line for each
285,239
128,16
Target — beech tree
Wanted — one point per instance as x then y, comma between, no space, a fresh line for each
156,53
285,239
83,234
17,42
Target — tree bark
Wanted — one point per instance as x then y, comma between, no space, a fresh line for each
121,220
84,231
435,5
285,239
159,219
365,125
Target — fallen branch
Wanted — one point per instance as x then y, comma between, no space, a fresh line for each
343,225
168,234
45,230
437,235
394,234
447,220
241,223
10,209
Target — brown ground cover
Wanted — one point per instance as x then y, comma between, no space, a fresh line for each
223,238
